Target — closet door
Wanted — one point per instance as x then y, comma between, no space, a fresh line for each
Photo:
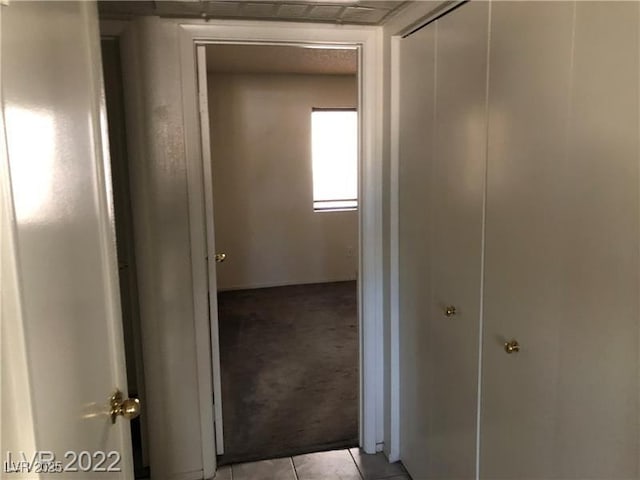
561,262
416,133
599,378
456,198
442,171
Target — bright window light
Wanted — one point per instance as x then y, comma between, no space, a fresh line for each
334,152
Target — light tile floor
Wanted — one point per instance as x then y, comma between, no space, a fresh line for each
334,465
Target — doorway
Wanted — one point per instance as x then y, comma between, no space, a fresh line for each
281,178
174,299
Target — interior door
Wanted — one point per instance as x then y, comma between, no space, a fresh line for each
529,98
62,244
212,257
456,189
561,275
442,171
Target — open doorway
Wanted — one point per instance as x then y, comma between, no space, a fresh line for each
280,123
175,262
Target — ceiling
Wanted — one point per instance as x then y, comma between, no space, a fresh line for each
355,12
281,59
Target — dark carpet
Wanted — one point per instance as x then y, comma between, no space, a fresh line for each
289,361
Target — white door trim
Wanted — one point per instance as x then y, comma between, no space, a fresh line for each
371,294
203,104
393,448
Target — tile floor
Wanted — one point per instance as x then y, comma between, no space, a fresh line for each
334,465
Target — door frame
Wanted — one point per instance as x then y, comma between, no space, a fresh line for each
368,41
207,176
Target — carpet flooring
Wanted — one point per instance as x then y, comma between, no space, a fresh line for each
289,366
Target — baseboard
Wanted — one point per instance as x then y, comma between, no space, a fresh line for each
283,284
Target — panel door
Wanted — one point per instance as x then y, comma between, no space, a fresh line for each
561,262
442,171
66,321
456,193
599,378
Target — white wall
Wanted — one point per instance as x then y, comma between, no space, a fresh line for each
262,181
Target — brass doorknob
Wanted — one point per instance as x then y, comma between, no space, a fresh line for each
220,257
129,408
450,311
512,346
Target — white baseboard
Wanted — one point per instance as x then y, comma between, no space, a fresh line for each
283,284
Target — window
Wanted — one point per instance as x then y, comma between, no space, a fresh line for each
334,153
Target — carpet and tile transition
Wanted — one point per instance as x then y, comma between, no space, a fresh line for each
289,359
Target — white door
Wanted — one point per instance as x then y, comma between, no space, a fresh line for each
561,275
456,189
442,168
62,345
212,258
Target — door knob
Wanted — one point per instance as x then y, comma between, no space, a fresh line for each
450,311
129,408
512,346
220,257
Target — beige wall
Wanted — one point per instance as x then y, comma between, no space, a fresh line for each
262,181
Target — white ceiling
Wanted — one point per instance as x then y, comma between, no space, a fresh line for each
281,59
358,12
